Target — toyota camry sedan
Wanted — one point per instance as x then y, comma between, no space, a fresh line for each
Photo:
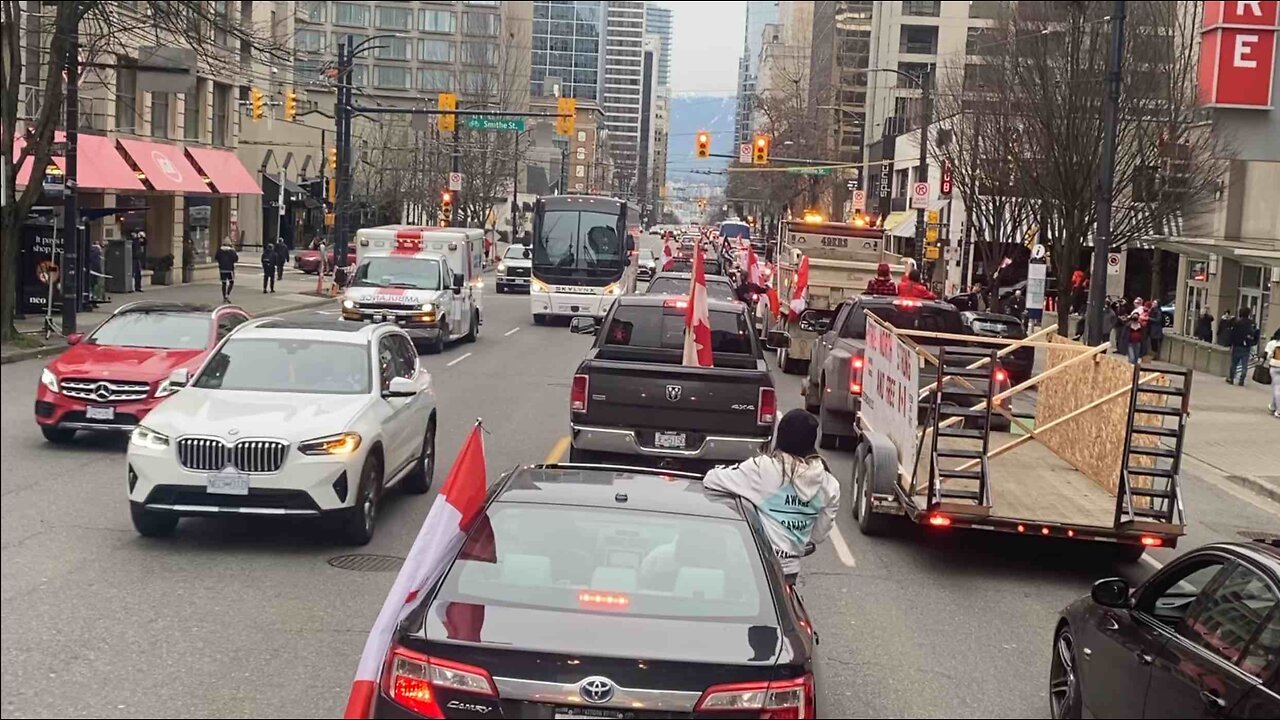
589,591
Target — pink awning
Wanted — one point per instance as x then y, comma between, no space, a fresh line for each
165,166
99,165
225,171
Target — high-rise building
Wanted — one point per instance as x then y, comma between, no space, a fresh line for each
759,14
838,82
568,44
657,21
621,92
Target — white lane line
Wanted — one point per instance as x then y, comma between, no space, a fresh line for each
458,360
842,548
327,312
1148,560
510,332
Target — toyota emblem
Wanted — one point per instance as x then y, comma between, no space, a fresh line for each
673,392
596,690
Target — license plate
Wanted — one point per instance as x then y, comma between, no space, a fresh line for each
100,413
669,440
594,713
228,484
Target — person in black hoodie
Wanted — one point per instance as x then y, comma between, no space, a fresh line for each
269,268
1244,338
1204,326
227,257
282,258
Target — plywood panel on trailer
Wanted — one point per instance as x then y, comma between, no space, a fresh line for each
1093,442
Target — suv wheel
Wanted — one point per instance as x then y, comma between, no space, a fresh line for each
474,331
419,479
151,524
360,521
57,435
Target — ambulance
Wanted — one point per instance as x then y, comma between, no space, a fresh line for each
428,280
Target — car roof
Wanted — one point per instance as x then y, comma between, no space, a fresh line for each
310,329
660,298
1264,551
884,300
606,486
165,306
686,276
975,315
581,202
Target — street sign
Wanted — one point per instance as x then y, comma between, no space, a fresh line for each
920,196
931,252
859,199
455,181
744,153
1113,263
948,179
886,174
1035,289
810,170
1038,252
484,122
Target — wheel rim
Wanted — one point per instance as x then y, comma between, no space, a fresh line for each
862,488
1062,677
429,451
369,508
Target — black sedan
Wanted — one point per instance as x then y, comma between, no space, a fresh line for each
1199,639
1018,363
605,592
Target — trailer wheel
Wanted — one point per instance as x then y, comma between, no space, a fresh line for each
856,506
869,521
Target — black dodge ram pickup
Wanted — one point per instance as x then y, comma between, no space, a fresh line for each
632,401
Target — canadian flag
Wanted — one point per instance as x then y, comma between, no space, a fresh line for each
697,318
668,254
754,270
439,540
800,290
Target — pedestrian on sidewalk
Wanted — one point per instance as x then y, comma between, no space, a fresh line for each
1204,326
1135,337
282,258
139,256
1155,327
95,273
1244,338
1272,358
1224,329
268,268
227,257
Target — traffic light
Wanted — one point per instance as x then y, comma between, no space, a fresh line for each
567,110
290,104
704,144
255,103
449,122
333,160
446,205
760,150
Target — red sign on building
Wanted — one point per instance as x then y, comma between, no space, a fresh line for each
1238,53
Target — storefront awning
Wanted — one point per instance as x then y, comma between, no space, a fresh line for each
99,165
903,223
226,173
165,166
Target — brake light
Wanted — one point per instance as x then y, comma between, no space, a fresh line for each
907,303
939,521
412,679
679,303
856,364
781,699
578,394
1152,541
596,600
766,406
1002,375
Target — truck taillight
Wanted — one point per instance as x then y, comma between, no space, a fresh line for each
766,406
856,364
1002,376
578,394
412,679
780,699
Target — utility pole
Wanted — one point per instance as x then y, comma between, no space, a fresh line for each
340,144
456,220
515,187
922,168
1102,236
71,275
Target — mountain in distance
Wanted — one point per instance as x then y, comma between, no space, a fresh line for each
690,114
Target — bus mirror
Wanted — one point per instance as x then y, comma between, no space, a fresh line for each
458,282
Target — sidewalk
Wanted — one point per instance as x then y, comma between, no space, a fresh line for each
295,292
1231,431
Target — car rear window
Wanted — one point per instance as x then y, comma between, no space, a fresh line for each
709,266
652,326
680,286
923,318
629,562
998,328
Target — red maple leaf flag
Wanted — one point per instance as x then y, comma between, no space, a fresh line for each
800,289
668,254
754,269
697,317
439,539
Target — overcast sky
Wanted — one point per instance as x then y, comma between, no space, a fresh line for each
706,46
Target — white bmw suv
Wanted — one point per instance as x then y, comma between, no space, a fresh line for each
288,417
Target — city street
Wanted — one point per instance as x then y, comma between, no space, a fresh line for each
240,619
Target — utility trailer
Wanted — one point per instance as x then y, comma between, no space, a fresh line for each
1097,461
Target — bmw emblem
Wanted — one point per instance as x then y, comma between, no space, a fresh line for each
596,690
233,432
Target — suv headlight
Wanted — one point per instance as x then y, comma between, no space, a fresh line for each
349,304
538,286
340,444
614,289
49,380
145,437
502,268
428,307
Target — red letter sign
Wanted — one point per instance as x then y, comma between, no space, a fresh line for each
1238,53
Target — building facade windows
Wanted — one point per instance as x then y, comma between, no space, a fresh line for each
919,39
394,18
391,77
352,14
480,53
440,51
305,40
432,80
221,114
441,21
160,114
922,8
395,48
127,99
193,112
481,24
316,12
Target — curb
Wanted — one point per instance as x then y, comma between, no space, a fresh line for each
48,350
1255,486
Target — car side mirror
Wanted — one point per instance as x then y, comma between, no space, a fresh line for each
400,387
584,326
777,340
75,338
179,378
1111,592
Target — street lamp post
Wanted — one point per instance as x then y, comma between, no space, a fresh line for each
922,169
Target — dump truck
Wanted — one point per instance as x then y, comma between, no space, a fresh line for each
842,259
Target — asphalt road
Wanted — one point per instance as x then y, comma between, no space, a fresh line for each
238,619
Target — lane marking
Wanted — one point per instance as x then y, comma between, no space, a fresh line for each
458,360
558,450
328,312
510,332
1155,564
841,547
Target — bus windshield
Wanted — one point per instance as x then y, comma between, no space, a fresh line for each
579,244
735,231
